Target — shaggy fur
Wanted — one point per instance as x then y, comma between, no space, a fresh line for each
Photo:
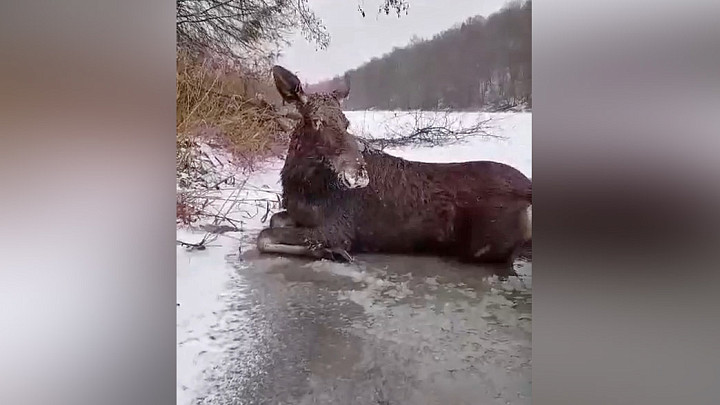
475,211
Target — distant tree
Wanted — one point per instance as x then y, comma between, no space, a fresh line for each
480,63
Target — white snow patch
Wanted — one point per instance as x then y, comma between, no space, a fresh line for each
202,277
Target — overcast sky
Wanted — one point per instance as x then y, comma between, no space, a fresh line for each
355,40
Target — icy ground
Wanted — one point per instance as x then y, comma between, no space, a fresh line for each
384,330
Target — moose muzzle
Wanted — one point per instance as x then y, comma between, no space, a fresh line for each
354,177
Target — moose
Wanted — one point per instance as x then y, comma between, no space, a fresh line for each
343,197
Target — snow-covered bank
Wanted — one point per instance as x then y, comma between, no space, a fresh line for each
205,285
207,281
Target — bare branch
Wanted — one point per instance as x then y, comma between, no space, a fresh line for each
200,245
430,129
244,29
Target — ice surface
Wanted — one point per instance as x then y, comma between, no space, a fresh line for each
210,285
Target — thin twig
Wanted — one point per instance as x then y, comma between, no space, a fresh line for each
267,211
430,129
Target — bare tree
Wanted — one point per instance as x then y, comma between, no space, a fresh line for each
255,29
239,28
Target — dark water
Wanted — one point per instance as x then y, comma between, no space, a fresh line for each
383,330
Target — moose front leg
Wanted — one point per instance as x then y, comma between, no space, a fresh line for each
306,242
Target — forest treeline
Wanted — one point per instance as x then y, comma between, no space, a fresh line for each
483,63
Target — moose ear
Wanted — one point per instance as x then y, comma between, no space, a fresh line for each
288,85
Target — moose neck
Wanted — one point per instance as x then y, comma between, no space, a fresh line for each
304,173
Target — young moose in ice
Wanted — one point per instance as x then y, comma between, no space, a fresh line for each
343,197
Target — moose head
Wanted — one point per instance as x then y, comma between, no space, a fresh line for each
323,138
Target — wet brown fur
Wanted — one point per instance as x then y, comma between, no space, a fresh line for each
447,209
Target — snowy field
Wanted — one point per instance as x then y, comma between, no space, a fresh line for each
246,324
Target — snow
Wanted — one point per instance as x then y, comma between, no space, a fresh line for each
204,287
206,279
201,280
515,149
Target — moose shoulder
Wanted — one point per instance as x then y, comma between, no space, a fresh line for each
342,197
